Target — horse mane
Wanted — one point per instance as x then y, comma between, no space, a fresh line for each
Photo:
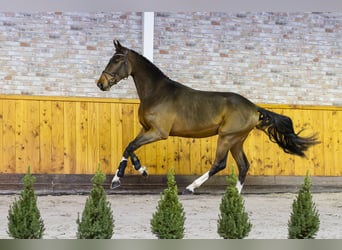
150,65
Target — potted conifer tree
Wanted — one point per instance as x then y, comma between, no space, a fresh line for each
97,220
168,220
233,222
304,220
24,220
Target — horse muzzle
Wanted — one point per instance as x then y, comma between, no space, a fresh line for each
103,87
105,84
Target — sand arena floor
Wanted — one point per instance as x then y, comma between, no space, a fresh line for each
269,214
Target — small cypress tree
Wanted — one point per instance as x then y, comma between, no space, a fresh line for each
24,220
168,220
97,217
304,220
233,222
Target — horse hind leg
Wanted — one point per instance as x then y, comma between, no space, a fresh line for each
196,183
199,181
219,164
242,162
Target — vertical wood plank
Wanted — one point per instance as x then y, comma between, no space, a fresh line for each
205,159
104,130
57,137
32,135
314,124
328,143
93,138
21,143
172,154
150,159
116,136
195,157
337,135
69,138
184,155
255,150
45,137
81,137
9,137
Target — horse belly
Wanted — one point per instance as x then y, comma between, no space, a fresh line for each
194,130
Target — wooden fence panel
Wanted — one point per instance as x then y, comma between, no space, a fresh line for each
73,135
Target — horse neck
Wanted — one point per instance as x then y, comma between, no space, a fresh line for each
147,77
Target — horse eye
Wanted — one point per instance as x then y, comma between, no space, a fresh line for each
116,59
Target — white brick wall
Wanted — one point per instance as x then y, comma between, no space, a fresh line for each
62,53
268,57
293,58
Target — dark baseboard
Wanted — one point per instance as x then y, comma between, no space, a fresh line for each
62,184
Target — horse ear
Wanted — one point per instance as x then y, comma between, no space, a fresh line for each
117,45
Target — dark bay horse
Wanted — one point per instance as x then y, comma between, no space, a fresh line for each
168,108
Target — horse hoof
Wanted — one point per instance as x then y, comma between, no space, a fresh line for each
187,192
115,184
143,171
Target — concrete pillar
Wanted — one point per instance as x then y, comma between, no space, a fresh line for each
148,35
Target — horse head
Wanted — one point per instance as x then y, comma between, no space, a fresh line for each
117,68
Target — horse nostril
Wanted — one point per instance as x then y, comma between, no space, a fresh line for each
99,85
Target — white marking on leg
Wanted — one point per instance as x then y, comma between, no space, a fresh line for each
142,169
198,182
239,186
116,178
123,159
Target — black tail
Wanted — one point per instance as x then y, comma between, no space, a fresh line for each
279,129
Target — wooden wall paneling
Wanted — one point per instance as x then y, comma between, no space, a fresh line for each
72,135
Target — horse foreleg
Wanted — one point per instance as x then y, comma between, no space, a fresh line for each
143,138
119,173
122,166
137,166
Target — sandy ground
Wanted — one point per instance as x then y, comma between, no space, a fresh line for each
269,214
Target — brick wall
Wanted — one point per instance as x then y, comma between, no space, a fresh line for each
293,58
63,54
268,57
